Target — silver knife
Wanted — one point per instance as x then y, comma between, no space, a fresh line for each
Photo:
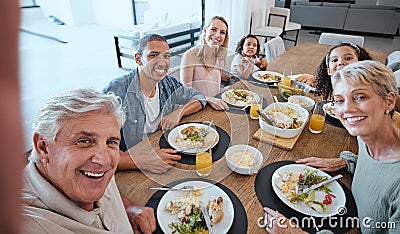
207,218
315,186
264,116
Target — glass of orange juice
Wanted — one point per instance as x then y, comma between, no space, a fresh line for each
203,163
317,120
253,110
286,81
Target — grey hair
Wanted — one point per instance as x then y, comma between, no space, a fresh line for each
368,72
72,104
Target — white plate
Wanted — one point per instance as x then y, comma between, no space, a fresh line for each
330,109
224,97
257,73
175,132
337,190
210,191
294,77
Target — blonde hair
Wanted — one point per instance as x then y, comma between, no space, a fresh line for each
368,72
222,50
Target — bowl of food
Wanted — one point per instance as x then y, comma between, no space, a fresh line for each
288,119
295,88
303,101
244,159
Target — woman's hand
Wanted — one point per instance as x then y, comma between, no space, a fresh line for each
217,104
324,164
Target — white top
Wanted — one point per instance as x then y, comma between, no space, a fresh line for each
153,112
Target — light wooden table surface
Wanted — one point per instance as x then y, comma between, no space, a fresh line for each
304,58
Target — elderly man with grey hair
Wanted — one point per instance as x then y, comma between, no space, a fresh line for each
69,184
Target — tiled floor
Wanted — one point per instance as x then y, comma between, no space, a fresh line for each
88,59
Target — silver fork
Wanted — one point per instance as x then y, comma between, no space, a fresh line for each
183,188
203,134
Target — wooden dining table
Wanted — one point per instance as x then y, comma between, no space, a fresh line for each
303,58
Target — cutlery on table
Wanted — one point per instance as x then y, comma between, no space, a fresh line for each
184,188
265,117
207,218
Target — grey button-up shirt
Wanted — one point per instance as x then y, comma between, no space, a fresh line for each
127,87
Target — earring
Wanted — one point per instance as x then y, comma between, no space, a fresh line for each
387,112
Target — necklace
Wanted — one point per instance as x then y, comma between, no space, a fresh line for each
393,147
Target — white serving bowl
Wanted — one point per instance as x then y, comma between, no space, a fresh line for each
281,132
244,170
303,101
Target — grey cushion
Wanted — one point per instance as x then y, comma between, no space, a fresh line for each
308,3
331,4
375,7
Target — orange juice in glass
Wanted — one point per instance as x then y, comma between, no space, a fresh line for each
253,110
317,120
286,81
203,163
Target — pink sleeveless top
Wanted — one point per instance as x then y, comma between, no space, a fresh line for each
207,82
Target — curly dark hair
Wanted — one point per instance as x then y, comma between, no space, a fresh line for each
239,47
324,84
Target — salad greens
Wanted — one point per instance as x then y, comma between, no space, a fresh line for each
193,223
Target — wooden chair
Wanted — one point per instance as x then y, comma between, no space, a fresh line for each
279,17
258,28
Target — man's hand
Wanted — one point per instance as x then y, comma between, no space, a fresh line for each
324,164
171,120
160,162
276,223
141,218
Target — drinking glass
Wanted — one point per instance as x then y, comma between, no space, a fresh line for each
317,120
204,162
253,110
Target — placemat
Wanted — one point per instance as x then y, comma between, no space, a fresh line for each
267,197
283,143
239,224
217,152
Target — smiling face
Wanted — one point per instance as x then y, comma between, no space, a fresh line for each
340,57
360,109
82,159
155,61
249,47
215,33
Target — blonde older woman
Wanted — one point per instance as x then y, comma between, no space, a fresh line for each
365,95
202,66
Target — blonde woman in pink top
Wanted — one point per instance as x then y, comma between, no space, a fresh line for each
202,66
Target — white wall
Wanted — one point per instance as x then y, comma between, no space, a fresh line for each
71,12
116,13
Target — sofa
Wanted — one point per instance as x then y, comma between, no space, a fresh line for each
363,16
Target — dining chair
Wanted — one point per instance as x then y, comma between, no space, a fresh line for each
260,29
274,48
393,60
279,17
397,76
335,39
